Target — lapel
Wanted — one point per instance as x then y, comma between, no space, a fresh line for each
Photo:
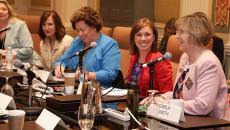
9,33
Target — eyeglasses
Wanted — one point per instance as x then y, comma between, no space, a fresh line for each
181,32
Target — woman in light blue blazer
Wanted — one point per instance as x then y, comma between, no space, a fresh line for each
14,33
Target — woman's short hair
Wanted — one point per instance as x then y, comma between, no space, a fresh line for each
9,7
59,27
136,27
89,16
198,25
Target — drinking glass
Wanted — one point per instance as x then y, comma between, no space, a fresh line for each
7,88
86,116
2,61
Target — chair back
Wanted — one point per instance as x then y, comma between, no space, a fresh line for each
32,23
121,35
107,31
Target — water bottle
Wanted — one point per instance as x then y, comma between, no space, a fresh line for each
9,59
133,96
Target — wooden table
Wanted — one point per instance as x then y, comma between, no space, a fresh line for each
192,122
28,125
197,122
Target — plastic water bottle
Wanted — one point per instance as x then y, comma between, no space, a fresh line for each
9,59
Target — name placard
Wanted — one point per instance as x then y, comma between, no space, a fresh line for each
166,111
43,75
49,121
6,101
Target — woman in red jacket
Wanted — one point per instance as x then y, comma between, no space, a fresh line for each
143,40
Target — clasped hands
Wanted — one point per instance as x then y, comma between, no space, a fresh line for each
154,97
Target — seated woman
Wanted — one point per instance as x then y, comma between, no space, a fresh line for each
54,39
143,41
103,61
15,34
169,30
201,82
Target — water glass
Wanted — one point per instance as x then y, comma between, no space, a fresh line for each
7,88
86,116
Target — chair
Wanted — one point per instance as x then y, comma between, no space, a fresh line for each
124,63
121,35
107,31
33,26
173,47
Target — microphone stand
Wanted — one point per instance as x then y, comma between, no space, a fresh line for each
31,110
80,64
151,72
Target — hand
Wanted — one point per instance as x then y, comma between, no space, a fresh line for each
160,99
146,101
59,72
3,52
157,98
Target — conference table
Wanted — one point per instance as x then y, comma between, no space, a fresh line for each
192,123
111,123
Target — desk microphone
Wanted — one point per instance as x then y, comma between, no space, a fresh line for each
166,56
83,51
25,67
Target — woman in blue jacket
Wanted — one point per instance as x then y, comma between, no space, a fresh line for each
103,61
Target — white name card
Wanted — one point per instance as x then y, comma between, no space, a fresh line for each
48,120
166,111
6,101
43,75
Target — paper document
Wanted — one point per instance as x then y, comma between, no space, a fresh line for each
115,92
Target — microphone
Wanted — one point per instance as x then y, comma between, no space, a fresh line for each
83,51
18,64
4,29
166,56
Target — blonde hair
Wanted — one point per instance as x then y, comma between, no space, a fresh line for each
10,8
198,25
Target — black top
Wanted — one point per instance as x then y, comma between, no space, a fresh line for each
2,41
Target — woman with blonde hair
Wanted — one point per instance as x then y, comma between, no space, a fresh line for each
200,79
14,33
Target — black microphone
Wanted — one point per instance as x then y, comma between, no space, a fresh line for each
18,64
83,51
4,29
166,56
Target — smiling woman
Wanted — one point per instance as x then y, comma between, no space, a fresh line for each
16,35
143,41
200,79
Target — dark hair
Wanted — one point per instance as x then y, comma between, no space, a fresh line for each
170,24
59,27
89,16
137,26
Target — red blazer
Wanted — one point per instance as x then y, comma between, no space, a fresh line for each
162,74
